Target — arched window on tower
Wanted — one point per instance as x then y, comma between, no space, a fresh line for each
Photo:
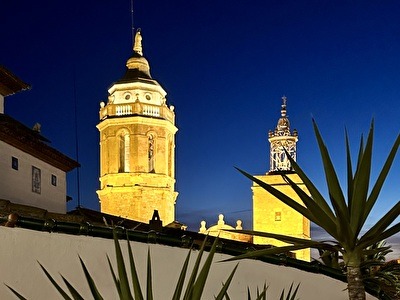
124,151
151,148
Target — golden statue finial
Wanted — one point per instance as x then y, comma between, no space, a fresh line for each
137,47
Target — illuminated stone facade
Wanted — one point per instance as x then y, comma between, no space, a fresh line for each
270,214
137,146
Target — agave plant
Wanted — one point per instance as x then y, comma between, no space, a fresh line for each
342,219
193,291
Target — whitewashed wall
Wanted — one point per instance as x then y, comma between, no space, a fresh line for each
16,185
1,104
20,249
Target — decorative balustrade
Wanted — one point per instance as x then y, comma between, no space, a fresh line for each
122,110
137,109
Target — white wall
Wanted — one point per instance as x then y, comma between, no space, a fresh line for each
16,185
20,249
1,104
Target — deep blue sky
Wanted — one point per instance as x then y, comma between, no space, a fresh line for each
225,66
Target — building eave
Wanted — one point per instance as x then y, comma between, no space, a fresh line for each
21,137
10,84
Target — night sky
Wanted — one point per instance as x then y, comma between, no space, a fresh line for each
225,66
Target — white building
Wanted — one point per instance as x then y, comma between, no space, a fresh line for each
31,172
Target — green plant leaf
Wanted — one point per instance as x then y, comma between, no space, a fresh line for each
360,186
72,290
269,251
95,293
124,283
20,297
288,239
192,279
334,189
55,284
381,179
281,196
225,287
317,211
263,294
137,291
383,223
149,278
384,235
291,295
181,280
349,170
115,279
315,194
198,286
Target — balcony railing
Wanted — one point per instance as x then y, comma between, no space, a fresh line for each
137,109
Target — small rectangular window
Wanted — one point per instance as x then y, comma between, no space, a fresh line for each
54,180
36,180
14,163
278,216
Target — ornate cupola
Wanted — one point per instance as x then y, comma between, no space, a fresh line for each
137,145
280,139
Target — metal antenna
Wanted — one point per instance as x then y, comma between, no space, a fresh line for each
76,142
132,26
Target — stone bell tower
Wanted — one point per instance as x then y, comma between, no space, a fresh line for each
270,214
137,145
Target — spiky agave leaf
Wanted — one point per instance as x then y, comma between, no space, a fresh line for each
297,244
55,284
193,275
115,279
123,277
266,252
290,295
263,294
181,280
149,278
20,297
225,287
137,291
200,283
75,294
95,293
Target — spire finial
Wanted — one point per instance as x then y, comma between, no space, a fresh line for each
283,110
137,47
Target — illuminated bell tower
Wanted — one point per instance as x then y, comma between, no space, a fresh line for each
137,146
270,214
